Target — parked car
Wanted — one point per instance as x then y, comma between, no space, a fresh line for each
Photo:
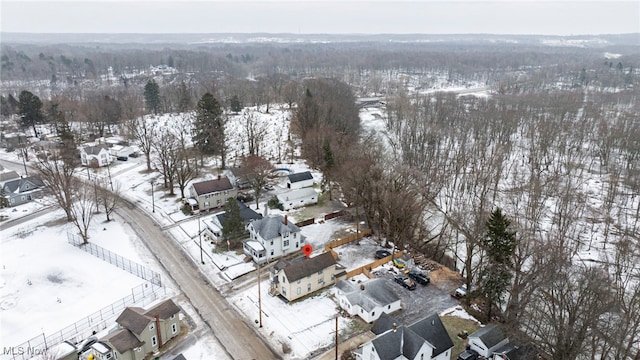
417,276
399,263
405,281
468,355
461,291
268,187
381,254
86,344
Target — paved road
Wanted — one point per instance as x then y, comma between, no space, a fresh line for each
238,338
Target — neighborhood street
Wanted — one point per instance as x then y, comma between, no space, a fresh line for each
237,337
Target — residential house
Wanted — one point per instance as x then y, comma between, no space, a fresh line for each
486,340
211,194
22,190
368,299
298,198
6,175
426,339
515,351
95,156
120,152
300,180
213,227
303,276
139,332
272,237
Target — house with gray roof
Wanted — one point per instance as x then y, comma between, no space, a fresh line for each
272,237
426,339
214,225
298,198
211,194
302,276
486,340
367,299
139,332
95,156
299,180
22,190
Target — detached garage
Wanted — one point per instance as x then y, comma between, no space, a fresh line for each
300,180
298,198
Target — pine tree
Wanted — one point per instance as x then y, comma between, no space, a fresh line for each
233,224
499,245
208,128
152,96
235,104
30,111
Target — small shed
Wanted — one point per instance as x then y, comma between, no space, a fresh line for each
298,198
300,180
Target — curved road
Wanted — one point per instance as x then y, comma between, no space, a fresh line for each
239,339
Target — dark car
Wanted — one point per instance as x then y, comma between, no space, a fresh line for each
419,277
468,355
405,281
381,254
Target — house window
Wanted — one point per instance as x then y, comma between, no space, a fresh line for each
320,281
285,243
299,281
373,313
320,272
284,291
174,328
308,287
151,327
283,279
299,291
173,316
271,242
271,252
388,306
154,341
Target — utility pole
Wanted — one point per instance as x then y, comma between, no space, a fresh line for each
337,336
259,299
200,234
153,201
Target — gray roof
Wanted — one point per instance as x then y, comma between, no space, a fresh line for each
246,213
388,345
94,150
514,351
369,294
212,186
8,175
301,267
22,185
179,357
164,310
134,319
293,178
273,226
490,335
432,330
384,323
123,340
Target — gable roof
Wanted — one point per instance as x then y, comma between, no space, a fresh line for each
302,176
301,267
123,340
134,319
369,294
8,175
273,226
94,150
212,186
297,194
384,323
246,213
22,185
490,335
164,310
432,330
514,351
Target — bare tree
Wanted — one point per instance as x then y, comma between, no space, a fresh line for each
256,171
108,199
82,208
255,132
167,149
58,173
144,131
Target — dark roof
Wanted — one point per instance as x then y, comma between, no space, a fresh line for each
8,175
123,340
384,323
300,176
164,310
514,351
273,226
246,213
22,184
388,345
94,150
490,335
179,357
212,186
302,267
134,319
432,330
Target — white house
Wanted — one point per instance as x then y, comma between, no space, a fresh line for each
298,198
426,339
211,194
120,151
303,276
487,339
368,299
95,156
272,237
300,180
213,226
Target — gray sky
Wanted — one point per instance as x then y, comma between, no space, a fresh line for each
330,17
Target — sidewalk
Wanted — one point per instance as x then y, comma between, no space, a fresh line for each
349,344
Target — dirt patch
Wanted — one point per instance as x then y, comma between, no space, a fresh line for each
445,274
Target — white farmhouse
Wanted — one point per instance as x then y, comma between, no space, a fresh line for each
368,299
95,156
272,237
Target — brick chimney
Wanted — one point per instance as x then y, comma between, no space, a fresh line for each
286,220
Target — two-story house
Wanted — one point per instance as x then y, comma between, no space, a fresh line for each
487,339
95,156
272,237
426,339
213,227
211,194
139,332
302,276
22,190
368,299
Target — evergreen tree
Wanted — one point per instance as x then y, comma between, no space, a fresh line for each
233,224
68,150
152,96
208,128
235,104
30,111
499,245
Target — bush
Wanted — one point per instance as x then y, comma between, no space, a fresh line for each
275,204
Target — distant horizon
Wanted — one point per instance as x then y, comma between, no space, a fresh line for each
325,17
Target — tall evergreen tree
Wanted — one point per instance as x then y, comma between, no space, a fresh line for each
499,244
30,111
208,128
152,96
233,226
235,104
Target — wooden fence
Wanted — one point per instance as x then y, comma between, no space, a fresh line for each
348,239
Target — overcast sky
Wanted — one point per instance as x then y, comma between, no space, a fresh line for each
328,17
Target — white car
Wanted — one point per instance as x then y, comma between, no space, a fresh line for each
461,291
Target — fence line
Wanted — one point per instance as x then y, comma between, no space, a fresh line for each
115,259
141,295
